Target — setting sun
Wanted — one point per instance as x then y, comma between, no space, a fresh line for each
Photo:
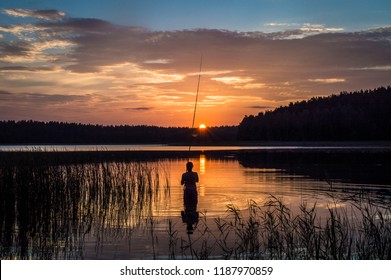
202,126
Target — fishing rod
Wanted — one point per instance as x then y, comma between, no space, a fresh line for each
196,101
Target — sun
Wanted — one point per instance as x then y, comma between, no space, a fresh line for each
202,126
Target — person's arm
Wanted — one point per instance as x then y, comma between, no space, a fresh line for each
183,179
196,177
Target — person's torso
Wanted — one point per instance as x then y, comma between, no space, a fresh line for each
190,179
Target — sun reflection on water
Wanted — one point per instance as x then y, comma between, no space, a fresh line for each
202,164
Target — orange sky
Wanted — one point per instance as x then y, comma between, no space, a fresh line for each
93,71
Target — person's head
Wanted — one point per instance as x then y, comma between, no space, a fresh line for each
189,166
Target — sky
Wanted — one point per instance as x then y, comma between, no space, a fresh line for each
137,62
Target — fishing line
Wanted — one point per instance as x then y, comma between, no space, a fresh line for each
196,101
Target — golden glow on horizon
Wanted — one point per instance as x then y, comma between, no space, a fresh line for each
202,126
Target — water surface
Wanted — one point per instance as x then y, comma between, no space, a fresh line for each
182,148
70,210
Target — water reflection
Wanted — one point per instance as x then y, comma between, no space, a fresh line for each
202,163
319,174
189,181
52,209
190,214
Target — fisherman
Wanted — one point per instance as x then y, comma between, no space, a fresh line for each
190,197
189,178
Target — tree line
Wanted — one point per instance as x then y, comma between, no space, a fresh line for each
35,132
350,116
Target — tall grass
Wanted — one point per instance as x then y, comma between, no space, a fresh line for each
47,209
271,230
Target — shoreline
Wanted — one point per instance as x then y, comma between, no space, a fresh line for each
200,148
352,154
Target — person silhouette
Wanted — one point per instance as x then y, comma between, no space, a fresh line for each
189,178
190,198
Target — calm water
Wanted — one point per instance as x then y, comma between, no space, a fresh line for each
144,148
155,147
328,179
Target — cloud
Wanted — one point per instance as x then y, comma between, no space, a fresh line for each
289,31
23,69
284,24
157,61
39,14
2,92
251,86
40,98
26,32
375,68
384,28
15,48
96,43
319,28
103,65
328,81
259,107
41,106
239,82
233,80
229,50
139,109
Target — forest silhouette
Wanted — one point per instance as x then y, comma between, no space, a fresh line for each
355,116
34,132
349,116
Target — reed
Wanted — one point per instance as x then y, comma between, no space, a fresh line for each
271,230
47,209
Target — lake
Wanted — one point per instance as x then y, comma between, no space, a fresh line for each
177,148
87,202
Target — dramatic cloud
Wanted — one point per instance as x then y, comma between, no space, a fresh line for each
118,69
